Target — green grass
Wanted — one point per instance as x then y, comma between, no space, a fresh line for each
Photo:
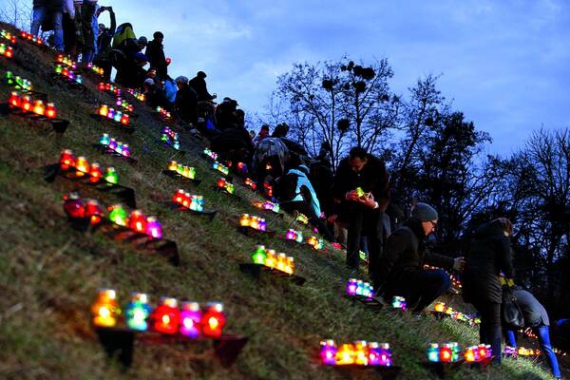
49,272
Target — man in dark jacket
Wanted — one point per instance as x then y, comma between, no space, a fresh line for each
405,255
198,83
155,55
361,188
186,103
535,318
489,254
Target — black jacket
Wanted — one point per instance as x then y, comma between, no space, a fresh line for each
404,256
156,58
372,178
199,85
186,105
488,255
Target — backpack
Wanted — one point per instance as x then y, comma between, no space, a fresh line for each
124,31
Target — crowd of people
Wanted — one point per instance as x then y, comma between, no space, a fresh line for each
348,207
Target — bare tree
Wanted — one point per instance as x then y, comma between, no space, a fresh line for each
17,13
338,103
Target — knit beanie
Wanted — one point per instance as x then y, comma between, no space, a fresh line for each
424,212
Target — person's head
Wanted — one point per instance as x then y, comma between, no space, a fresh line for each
357,158
148,82
181,81
142,42
158,36
427,215
281,130
506,224
201,74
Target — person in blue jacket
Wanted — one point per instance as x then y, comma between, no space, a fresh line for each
535,318
296,193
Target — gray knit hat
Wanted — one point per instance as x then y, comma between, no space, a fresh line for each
424,212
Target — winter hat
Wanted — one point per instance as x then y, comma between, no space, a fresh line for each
158,35
142,40
424,212
182,79
149,81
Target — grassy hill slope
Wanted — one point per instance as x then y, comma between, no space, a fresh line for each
49,272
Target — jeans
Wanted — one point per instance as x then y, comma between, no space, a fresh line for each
490,329
428,285
365,222
38,16
543,334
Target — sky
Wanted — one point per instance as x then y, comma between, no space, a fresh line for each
504,64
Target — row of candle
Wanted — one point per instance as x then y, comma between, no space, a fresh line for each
68,161
303,219
267,205
294,235
136,94
240,167
359,288
96,69
6,50
31,38
115,146
227,186
112,114
521,351
191,201
254,222
75,207
110,88
442,308
170,137
450,352
182,170
163,113
4,34
126,106
271,259
477,353
213,155
316,243
445,352
26,104
69,74
18,82
190,319
221,168
248,182
358,353
268,189
399,302
136,221
65,60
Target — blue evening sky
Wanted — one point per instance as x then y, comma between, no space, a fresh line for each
505,64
